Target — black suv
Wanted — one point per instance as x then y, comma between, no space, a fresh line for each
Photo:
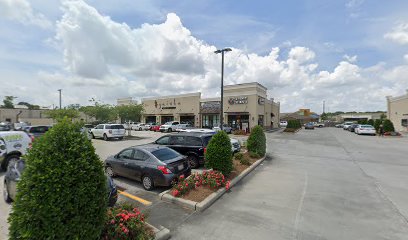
192,145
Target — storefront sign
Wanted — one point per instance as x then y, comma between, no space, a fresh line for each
261,101
238,100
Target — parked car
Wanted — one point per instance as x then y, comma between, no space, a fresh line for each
140,127
365,129
108,131
340,125
13,176
309,126
319,124
182,127
225,127
155,128
152,125
192,145
37,131
169,126
13,144
346,125
283,124
200,130
236,146
352,127
153,165
5,127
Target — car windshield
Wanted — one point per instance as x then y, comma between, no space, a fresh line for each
118,126
165,154
167,123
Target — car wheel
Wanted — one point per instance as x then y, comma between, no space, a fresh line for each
105,137
7,161
140,129
193,161
109,171
6,194
120,138
93,136
147,182
170,130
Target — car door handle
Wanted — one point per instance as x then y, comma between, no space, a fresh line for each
125,163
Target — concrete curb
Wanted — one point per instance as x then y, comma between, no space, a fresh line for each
201,206
160,233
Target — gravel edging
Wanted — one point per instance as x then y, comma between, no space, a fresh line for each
160,233
201,206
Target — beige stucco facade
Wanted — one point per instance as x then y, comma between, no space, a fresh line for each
397,112
245,105
35,117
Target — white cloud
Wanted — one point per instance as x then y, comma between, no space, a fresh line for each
351,59
398,34
21,11
406,57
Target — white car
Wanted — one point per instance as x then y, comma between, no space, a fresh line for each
183,127
141,126
13,144
225,127
346,125
108,131
365,129
283,123
236,146
169,126
200,130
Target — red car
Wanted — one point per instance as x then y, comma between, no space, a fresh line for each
155,128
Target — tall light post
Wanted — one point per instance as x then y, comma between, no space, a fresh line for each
222,85
59,90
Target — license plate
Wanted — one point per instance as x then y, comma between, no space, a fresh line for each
180,167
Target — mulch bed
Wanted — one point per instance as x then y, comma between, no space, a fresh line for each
201,193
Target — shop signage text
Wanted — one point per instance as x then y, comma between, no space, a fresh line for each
238,100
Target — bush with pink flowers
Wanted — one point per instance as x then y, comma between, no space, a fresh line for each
212,179
125,222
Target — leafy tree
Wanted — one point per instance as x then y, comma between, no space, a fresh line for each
74,106
388,126
62,193
131,112
370,122
377,124
219,154
59,114
101,112
383,117
8,102
324,116
256,142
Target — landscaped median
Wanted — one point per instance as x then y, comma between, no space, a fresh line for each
200,190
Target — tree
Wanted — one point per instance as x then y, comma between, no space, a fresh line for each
8,102
62,193
219,154
383,117
324,116
74,106
59,114
101,112
370,122
377,124
131,112
388,126
30,106
256,142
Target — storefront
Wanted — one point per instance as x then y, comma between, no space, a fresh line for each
245,106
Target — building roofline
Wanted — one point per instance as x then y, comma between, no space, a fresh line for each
196,94
244,84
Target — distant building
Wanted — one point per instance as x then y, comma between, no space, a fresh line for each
125,101
303,115
355,117
35,117
397,111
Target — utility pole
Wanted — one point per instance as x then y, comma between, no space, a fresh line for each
324,107
59,90
222,85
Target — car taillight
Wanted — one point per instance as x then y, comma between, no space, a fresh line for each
164,169
205,150
110,131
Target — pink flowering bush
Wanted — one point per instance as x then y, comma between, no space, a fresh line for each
123,222
211,179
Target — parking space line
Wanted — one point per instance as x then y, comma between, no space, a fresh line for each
141,200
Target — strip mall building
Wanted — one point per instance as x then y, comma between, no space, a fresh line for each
245,106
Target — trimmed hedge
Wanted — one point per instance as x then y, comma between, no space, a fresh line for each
63,192
219,153
256,142
388,126
294,124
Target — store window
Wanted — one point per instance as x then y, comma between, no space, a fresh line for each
404,122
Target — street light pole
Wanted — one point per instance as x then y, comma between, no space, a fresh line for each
59,90
222,85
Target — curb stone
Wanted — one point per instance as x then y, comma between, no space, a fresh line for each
201,206
160,233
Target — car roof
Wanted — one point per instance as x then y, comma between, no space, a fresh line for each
148,147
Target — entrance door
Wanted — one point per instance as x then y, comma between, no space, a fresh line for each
240,122
187,119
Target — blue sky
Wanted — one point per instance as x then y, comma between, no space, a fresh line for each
349,53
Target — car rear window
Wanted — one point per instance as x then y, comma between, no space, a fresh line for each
165,154
41,129
117,126
206,140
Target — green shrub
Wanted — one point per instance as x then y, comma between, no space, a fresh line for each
245,161
370,122
294,124
62,193
238,156
388,126
239,132
257,141
377,124
219,154
254,155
